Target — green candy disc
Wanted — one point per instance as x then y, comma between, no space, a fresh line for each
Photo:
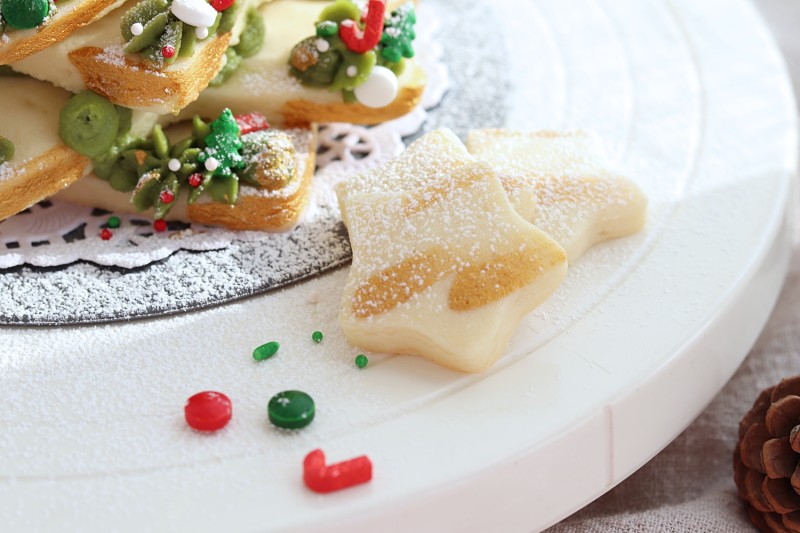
24,14
291,409
88,124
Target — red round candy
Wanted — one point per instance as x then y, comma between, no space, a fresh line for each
221,5
106,234
208,411
160,225
166,197
195,179
168,51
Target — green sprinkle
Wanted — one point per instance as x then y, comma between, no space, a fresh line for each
361,360
113,222
266,351
291,409
316,337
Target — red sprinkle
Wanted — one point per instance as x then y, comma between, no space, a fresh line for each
208,411
167,51
321,478
166,197
106,234
221,5
195,179
362,42
251,122
160,225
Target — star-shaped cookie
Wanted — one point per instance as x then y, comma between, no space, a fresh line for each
444,270
434,155
579,201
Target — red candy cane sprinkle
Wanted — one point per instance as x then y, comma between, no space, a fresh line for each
330,478
208,411
166,196
221,5
251,122
360,41
160,225
106,234
167,51
195,179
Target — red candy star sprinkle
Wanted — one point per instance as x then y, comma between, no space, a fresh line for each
166,197
251,122
106,234
321,478
221,5
195,180
168,51
160,225
359,41
208,411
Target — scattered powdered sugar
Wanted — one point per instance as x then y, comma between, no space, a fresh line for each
113,54
272,80
9,169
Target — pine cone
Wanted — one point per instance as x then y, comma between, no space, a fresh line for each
765,462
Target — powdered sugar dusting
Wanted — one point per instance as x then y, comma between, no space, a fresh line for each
9,169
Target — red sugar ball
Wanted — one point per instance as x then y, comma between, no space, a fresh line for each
195,179
221,5
208,411
167,51
160,225
166,197
106,234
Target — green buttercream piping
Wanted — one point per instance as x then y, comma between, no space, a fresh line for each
161,28
6,150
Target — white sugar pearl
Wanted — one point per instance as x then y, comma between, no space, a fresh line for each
174,165
198,13
212,164
137,28
352,71
201,32
379,90
323,45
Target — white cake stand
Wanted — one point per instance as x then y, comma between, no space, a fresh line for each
697,107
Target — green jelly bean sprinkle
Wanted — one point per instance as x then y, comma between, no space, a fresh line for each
265,351
361,360
316,337
291,409
113,222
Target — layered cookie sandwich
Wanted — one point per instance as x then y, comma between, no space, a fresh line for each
151,55
232,171
327,62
